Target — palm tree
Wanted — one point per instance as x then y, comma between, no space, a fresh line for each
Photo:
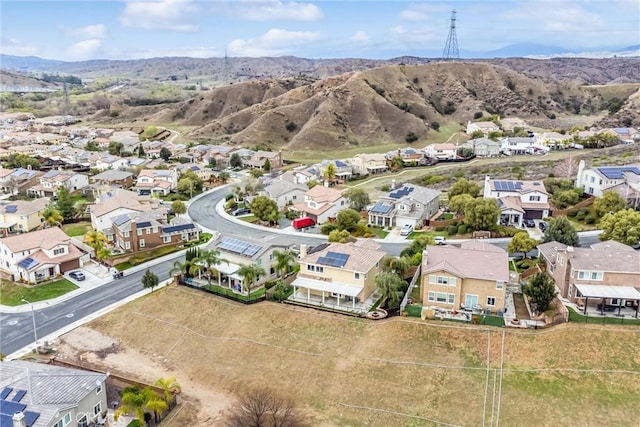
224,176
284,261
249,274
389,285
52,216
95,239
330,173
184,269
208,260
398,265
169,386
103,254
136,401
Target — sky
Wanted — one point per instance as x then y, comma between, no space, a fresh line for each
120,29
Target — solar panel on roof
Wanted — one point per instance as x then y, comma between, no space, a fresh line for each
176,228
10,408
30,418
11,209
144,224
28,263
239,246
5,392
19,395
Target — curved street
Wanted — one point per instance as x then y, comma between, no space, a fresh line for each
70,311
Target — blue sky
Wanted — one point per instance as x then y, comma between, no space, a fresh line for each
121,29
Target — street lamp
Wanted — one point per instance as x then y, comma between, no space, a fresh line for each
33,318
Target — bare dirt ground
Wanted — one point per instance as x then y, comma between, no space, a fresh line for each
350,372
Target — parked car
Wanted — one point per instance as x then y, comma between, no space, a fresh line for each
406,230
77,275
440,240
543,226
529,222
241,211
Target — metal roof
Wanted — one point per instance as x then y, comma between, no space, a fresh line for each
321,285
604,291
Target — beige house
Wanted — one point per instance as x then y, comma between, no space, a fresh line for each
322,203
368,164
472,277
21,215
553,140
446,151
118,202
338,275
484,127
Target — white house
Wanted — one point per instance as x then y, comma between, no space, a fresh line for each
529,198
483,147
322,203
284,193
625,180
553,140
521,145
119,202
625,135
51,181
157,181
484,127
408,205
446,151
368,164
108,161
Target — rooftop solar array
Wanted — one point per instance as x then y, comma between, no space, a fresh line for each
18,396
144,224
28,263
5,392
334,259
618,172
239,246
177,228
11,209
380,208
320,247
9,408
404,191
507,185
121,219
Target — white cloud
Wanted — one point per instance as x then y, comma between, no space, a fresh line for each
556,17
174,15
405,36
13,46
96,31
360,37
274,10
274,42
85,49
422,11
188,51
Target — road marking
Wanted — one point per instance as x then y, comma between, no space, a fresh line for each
12,322
70,315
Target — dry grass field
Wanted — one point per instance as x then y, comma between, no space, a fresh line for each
351,372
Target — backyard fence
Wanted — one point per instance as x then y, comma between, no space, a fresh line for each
565,212
412,285
227,293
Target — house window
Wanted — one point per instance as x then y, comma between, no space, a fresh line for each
319,269
185,237
499,285
166,239
126,234
441,297
127,245
491,301
311,267
139,231
142,243
58,251
432,296
452,298
98,387
155,229
570,292
534,198
433,279
148,230
356,276
67,419
97,409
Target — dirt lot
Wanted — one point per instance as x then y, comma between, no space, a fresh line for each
347,372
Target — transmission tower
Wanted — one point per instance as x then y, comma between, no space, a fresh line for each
451,46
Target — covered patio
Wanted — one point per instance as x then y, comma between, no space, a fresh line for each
613,299
335,295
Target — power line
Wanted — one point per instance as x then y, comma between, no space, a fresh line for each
451,46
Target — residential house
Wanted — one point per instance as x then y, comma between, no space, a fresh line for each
284,193
16,181
608,265
302,175
511,146
156,181
526,199
21,215
625,135
553,140
484,127
137,231
237,251
624,180
200,171
45,395
483,147
343,170
472,277
105,161
256,160
338,275
51,181
409,155
368,164
321,203
408,205
122,179
446,151
118,202
39,255
510,123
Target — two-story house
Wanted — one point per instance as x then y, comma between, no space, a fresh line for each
472,277
343,170
519,200
256,160
237,251
284,192
38,256
484,127
44,395
446,151
408,205
321,203
122,179
156,181
118,202
553,140
368,164
483,147
338,275
21,215
17,181
624,180
511,146
51,181
107,161
611,266
133,232
625,135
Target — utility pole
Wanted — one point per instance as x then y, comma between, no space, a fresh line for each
451,46
33,318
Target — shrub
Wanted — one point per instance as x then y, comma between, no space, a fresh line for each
384,188
228,197
411,137
440,228
290,126
327,228
590,219
462,229
435,125
452,230
477,114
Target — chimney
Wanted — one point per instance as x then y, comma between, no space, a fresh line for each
19,420
424,256
303,250
393,184
570,249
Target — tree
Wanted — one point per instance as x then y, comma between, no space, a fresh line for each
101,102
115,148
567,168
284,262
521,242
329,173
224,176
561,230
340,236
311,183
389,286
196,181
459,203
396,163
622,226
482,214
398,265
256,173
610,202
148,133
96,240
169,387
178,207
136,402
65,204
347,219
250,273
149,280
20,160
165,154
183,269
476,134
235,161
208,259
358,198
52,216
566,198
265,408
541,290
264,208
267,165
464,186
415,249
186,187
139,151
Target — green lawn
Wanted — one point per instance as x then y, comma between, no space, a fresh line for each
577,317
249,218
78,229
258,293
416,234
143,257
12,294
379,232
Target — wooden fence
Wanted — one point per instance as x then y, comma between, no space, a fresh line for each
565,212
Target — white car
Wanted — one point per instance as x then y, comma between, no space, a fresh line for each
406,230
440,240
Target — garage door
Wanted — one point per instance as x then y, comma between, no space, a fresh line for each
531,214
400,222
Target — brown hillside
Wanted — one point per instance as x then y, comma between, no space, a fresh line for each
627,116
